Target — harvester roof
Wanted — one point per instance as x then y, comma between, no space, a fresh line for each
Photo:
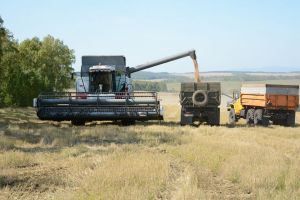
119,62
102,68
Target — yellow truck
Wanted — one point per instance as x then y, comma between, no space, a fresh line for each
261,103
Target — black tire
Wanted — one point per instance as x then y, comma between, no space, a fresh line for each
258,115
200,98
275,122
279,122
77,122
127,122
231,117
259,118
265,121
214,119
290,119
250,116
185,120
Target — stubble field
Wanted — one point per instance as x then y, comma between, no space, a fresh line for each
50,160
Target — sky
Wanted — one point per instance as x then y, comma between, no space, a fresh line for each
251,35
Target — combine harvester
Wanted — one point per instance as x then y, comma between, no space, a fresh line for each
261,103
104,92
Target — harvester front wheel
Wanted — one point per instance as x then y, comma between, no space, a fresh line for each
127,122
78,122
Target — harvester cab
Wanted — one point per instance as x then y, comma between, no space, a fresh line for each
102,74
100,79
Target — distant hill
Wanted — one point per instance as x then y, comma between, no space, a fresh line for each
216,76
231,80
160,76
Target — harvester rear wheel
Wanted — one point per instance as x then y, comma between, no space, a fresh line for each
78,122
250,116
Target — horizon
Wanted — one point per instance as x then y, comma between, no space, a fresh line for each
247,70
228,71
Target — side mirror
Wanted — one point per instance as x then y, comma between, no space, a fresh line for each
236,95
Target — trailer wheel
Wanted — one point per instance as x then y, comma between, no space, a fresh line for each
279,122
265,121
250,116
290,119
214,118
231,117
259,118
200,98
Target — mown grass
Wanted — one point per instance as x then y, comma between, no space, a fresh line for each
50,160
133,174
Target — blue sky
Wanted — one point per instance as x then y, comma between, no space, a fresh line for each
227,35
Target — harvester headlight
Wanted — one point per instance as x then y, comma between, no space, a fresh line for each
34,102
161,110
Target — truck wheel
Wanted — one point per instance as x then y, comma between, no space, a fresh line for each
185,120
279,122
265,121
214,118
200,98
258,115
290,119
231,117
275,122
259,118
250,116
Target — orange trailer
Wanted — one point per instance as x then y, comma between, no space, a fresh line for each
270,96
261,103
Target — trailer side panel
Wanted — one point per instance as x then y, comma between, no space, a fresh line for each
284,97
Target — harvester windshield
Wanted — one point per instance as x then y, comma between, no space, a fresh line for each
102,78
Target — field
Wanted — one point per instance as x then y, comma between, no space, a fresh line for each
50,160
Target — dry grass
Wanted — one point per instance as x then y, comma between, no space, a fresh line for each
50,160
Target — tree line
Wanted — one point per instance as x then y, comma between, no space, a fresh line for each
159,86
32,66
